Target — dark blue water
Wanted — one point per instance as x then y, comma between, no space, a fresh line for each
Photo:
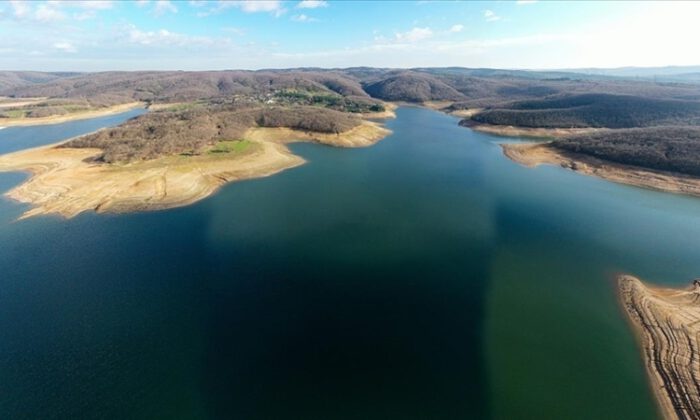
426,277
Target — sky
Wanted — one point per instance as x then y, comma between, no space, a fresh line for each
216,35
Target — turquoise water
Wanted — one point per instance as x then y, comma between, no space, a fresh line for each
426,277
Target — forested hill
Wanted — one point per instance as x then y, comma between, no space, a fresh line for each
504,97
594,110
674,149
10,80
468,88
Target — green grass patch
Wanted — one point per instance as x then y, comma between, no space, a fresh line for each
15,113
183,107
76,108
231,146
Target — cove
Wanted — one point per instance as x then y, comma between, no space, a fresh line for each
424,277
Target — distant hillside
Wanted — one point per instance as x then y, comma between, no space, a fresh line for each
594,110
668,73
674,149
412,87
496,90
17,79
120,87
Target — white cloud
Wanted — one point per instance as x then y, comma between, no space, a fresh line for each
456,28
312,4
303,18
233,30
92,4
48,13
671,42
274,7
255,6
491,16
20,8
142,3
65,47
166,38
414,35
57,10
89,8
164,6
522,2
84,15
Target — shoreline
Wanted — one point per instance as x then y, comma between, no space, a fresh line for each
533,155
65,181
365,134
530,132
666,323
439,106
388,113
57,119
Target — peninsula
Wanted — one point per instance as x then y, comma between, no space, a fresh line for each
135,168
651,142
667,325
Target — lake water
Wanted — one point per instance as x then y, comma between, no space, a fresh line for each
426,277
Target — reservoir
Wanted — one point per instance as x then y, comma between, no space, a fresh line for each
425,277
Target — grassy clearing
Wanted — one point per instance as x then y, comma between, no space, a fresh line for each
185,106
14,113
231,146
76,108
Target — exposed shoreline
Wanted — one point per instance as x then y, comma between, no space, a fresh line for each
365,134
513,131
67,182
666,323
57,119
533,155
388,113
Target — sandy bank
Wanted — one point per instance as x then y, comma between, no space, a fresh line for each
466,113
66,181
56,119
6,102
365,134
667,326
513,131
389,112
542,153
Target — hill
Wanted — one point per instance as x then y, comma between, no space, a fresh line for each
16,79
412,87
190,130
111,88
673,149
594,110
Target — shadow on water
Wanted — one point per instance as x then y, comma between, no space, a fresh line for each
347,291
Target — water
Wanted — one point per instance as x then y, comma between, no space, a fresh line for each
426,277
18,138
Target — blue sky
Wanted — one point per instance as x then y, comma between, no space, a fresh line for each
200,35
